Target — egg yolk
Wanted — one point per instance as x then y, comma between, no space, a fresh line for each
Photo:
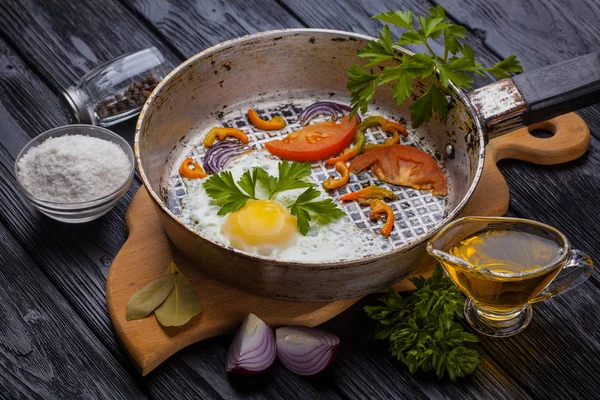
261,226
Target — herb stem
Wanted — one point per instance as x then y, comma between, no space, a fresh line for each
430,49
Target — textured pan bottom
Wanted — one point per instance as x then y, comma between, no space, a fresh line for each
416,212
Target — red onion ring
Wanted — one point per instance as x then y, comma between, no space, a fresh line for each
322,107
305,351
252,349
218,155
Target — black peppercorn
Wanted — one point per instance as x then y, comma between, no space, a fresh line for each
134,96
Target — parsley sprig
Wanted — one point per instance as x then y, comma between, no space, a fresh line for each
456,65
234,196
421,328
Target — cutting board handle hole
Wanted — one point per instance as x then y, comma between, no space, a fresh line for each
541,133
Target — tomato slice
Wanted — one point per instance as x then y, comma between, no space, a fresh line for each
315,142
404,166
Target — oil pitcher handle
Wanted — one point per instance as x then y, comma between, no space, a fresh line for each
577,270
538,95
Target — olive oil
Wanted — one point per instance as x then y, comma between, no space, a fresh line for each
508,267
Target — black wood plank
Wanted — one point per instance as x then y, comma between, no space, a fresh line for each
192,26
538,32
365,369
75,257
557,355
185,367
354,16
564,196
46,350
542,33
538,193
62,40
177,378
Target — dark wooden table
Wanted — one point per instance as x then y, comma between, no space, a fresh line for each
56,339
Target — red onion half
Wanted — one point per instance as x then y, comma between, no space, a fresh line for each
253,348
218,155
322,107
305,351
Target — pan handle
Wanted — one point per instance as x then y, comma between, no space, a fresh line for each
538,95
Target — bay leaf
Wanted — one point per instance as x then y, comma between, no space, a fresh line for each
172,269
181,305
145,300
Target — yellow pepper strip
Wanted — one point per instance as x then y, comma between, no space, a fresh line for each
186,171
277,122
379,209
370,192
394,128
332,183
221,133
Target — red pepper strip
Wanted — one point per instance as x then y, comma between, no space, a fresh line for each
379,209
388,126
187,172
221,133
370,192
332,183
403,165
277,122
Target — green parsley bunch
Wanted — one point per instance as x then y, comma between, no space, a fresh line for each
233,196
456,65
421,328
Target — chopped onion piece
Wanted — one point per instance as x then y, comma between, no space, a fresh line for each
305,351
218,155
252,349
330,108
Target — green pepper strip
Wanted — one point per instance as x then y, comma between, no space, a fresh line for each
351,152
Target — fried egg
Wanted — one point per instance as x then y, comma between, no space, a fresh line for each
266,227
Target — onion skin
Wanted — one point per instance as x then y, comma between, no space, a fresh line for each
334,110
218,155
305,351
253,348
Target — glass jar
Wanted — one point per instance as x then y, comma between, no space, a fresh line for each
116,90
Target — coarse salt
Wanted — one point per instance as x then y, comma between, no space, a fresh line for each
73,168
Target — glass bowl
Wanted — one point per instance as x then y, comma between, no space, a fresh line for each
84,211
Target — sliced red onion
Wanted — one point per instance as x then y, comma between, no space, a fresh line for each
219,155
253,348
322,107
305,351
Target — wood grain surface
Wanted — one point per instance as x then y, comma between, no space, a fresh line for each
47,45
148,251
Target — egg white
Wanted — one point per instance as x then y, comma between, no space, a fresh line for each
337,241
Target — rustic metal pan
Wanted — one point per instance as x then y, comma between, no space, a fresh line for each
284,71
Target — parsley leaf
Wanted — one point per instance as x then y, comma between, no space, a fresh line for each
361,85
248,181
432,99
292,176
222,187
403,19
304,206
422,330
506,67
451,35
456,64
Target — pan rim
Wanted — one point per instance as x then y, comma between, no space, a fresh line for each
327,264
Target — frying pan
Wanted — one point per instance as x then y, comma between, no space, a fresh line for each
281,72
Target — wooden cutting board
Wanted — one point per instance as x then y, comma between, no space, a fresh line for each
148,251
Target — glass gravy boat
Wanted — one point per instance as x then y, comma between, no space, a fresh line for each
505,264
